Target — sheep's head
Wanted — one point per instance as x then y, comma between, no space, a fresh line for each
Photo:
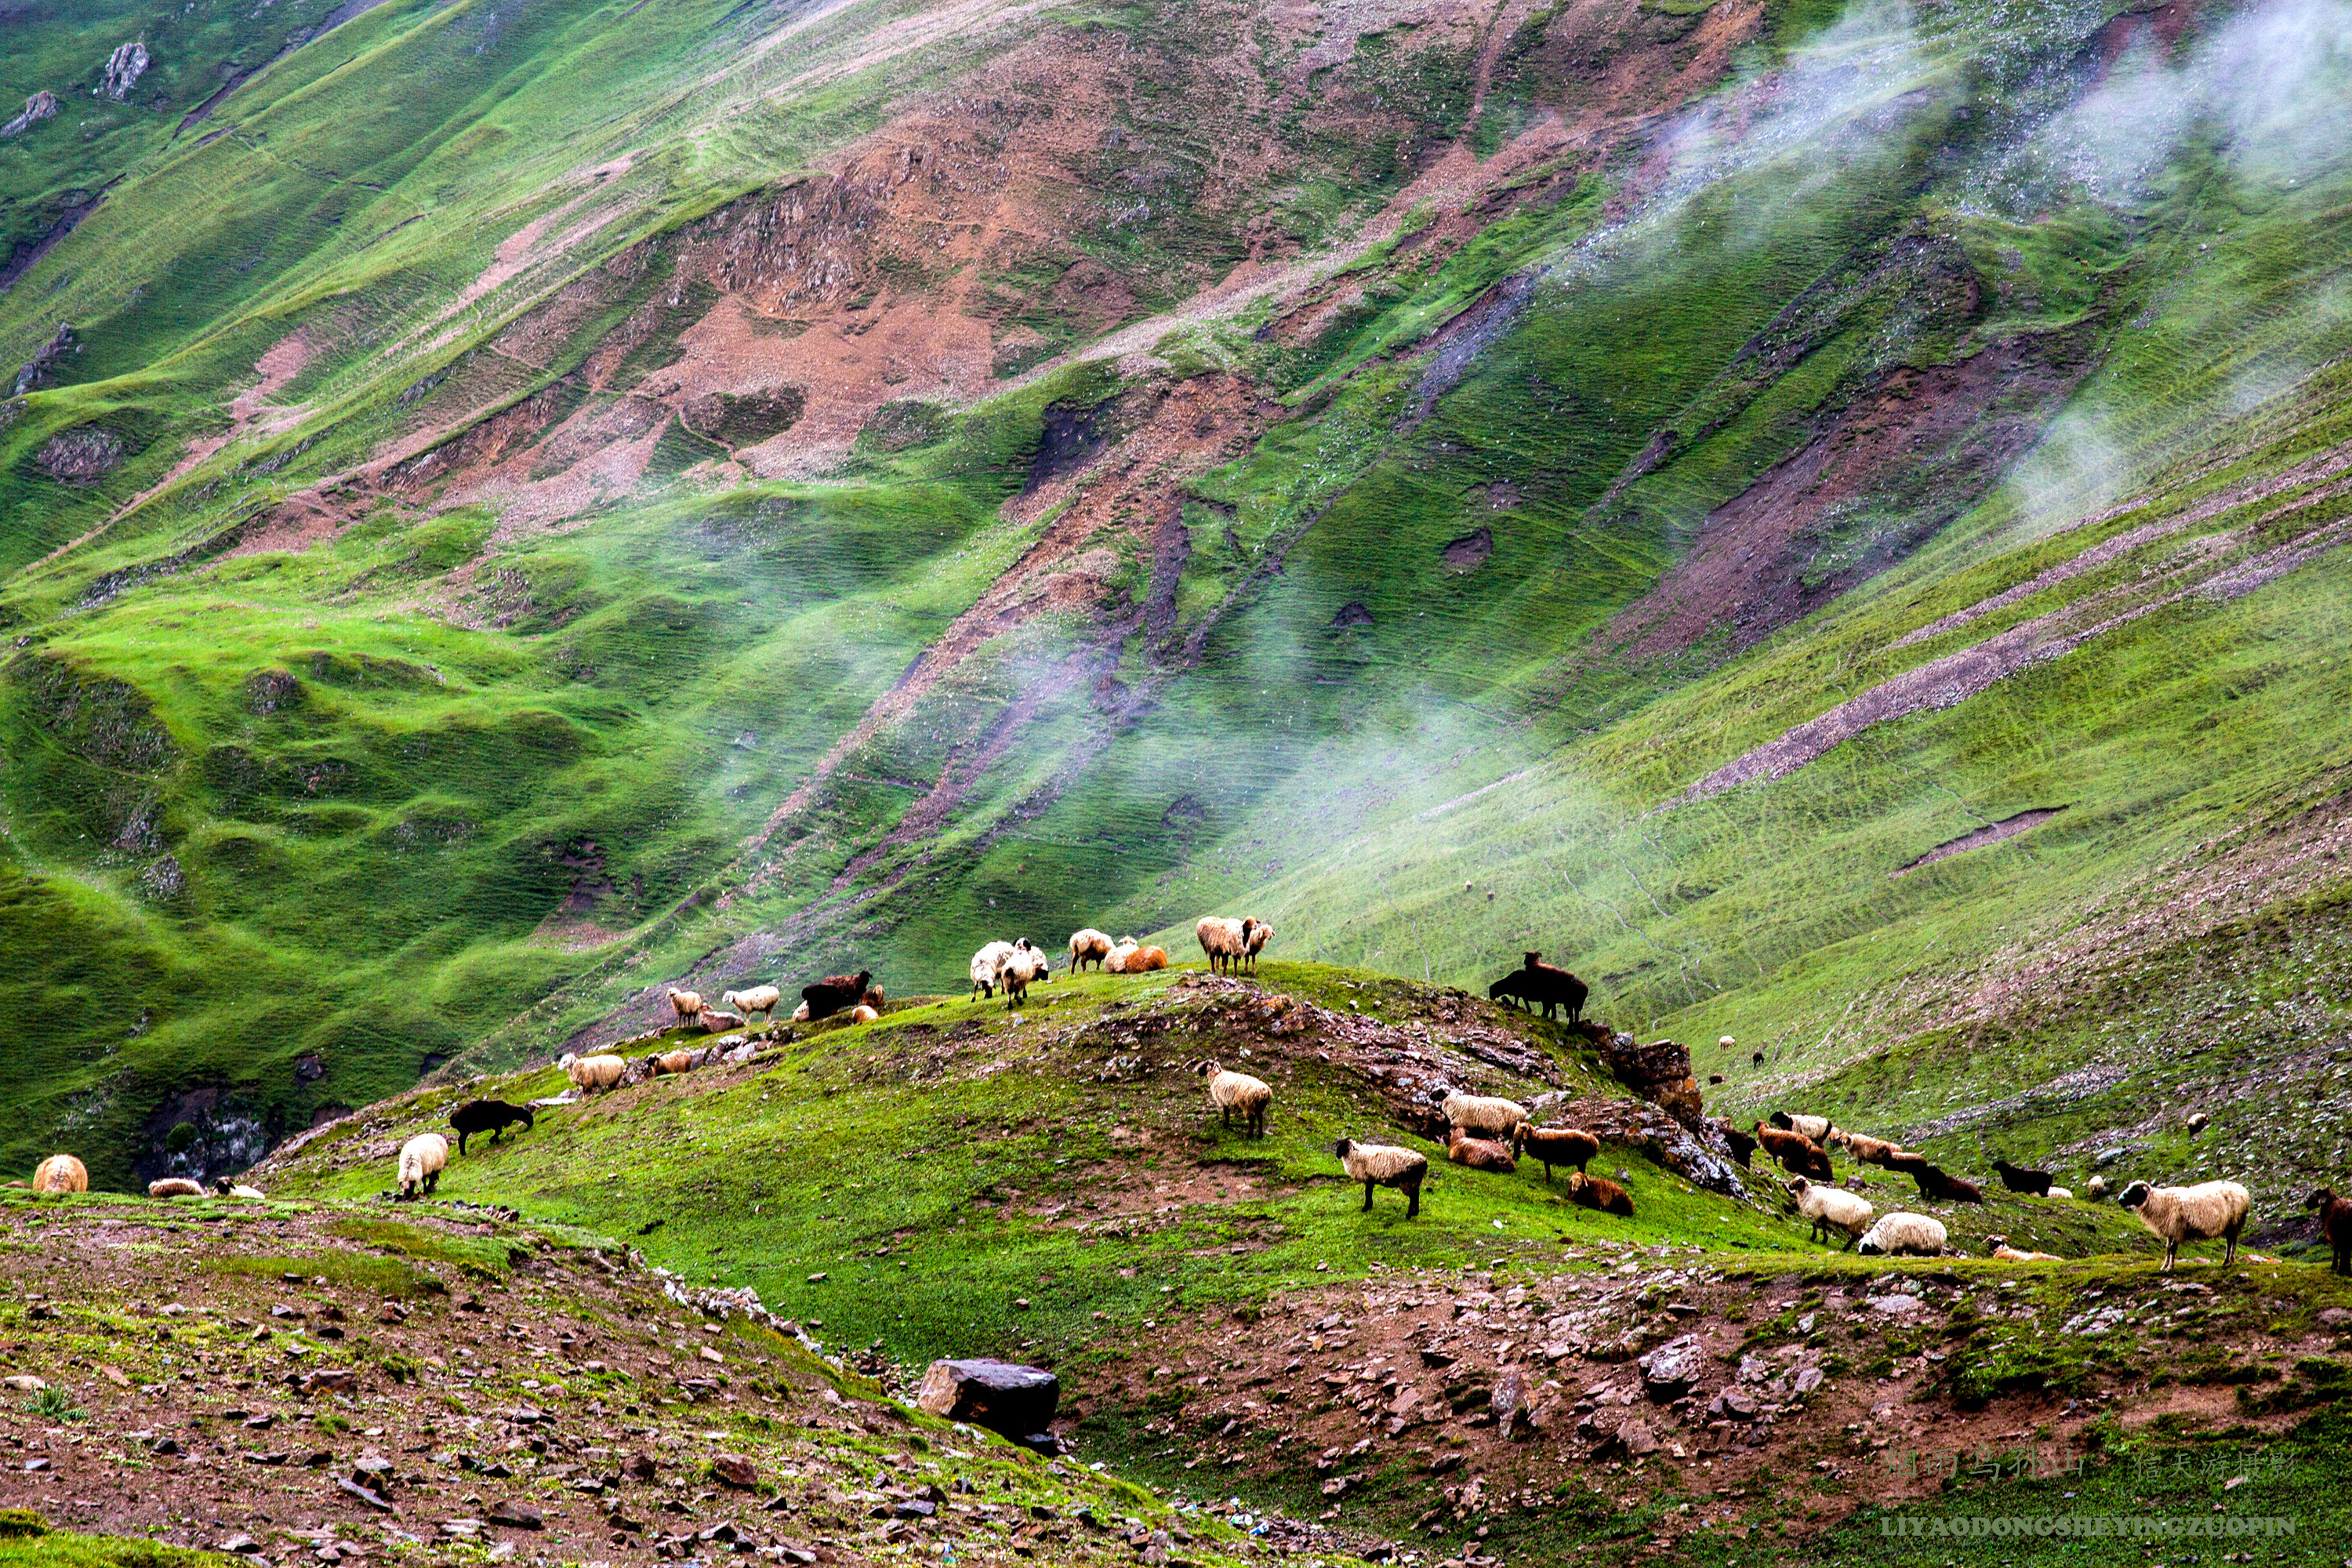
1798,1186
2133,1195
1342,1147
1210,1069
1781,1120
1534,958
566,1059
2324,1197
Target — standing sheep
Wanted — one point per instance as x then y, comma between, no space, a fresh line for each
761,999
1861,1146
983,968
2018,1179
2192,1213
490,1116
686,1004
1600,1192
1552,987
1232,1091
2057,1193
60,1173
1018,970
1799,1155
840,993
1740,1143
589,1074
422,1160
2096,1190
1255,934
1088,944
1900,1233
2336,1225
1829,1209
176,1187
1479,1153
1939,1187
1485,1116
1224,942
1816,1128
1384,1165
1555,1146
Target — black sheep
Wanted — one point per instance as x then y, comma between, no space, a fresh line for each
835,994
2336,1224
2017,1179
1742,1145
490,1116
1512,987
1552,986
1935,1183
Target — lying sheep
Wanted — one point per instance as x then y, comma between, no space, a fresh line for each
2336,1225
1555,1146
2018,1179
686,1004
1830,1209
176,1187
1232,1091
863,1014
1600,1192
1900,1235
668,1064
1018,970
422,1160
1485,1116
874,997
490,1116
1141,960
760,999
1478,1154
589,1074
1384,1165
224,1188
1937,1187
1797,1155
2192,1213
2096,1190
840,993
1816,1128
983,970
2058,1193
60,1173
1088,945
2001,1249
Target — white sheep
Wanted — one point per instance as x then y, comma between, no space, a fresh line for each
1894,1234
590,1073
1087,945
758,999
1830,1208
1228,941
2058,1193
422,1160
2192,1213
61,1174
686,1004
1816,1128
224,1188
2097,1189
176,1187
983,968
1255,934
1726,1041
2001,1249
1115,961
862,1013
1020,967
1384,1165
801,1014
1485,1116
1232,1091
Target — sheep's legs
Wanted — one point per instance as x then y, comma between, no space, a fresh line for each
1368,1194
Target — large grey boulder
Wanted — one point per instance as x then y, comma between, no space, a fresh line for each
1011,1400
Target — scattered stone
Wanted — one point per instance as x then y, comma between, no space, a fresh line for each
25,1384
367,1495
124,68
42,105
638,1466
1668,1372
735,1471
240,1545
518,1514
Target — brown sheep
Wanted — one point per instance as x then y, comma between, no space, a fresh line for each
1479,1153
1799,1155
1556,1146
2336,1225
1600,1192
1942,1188
1742,1145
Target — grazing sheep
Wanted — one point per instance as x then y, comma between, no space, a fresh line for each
1485,1116
801,1014
1020,969
1600,1192
983,970
589,1074
490,1116
60,1173
1937,1187
422,1159
1904,1161
1088,944
840,993
1901,1234
176,1187
1384,1165
1862,1146
2096,1189
1726,1042
2336,1225
862,1013
2017,1179
1555,1146
2001,1249
2199,1122
1742,1145
762,999
2192,1213
224,1188
1232,1091
1478,1154
1255,934
1552,986
2058,1193
686,1004
1756,1059
1816,1128
1223,940
1799,1155
1830,1209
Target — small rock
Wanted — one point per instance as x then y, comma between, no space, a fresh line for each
368,1496
1668,1372
914,1507
1807,1379
638,1466
1636,1438
240,1545
517,1514
735,1471
24,1385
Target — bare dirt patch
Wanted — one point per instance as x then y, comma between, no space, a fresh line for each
1991,833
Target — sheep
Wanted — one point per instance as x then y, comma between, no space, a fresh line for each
1756,1059
1938,1187
1799,1155
686,1004
874,997
1020,967
1086,945
1900,1233
1905,1161
224,1188
2198,1122
423,1157
1144,959
2097,1190
2192,1213
2017,1179
840,993
1600,1192
1232,1091
60,1173
983,969
1479,1153
1726,1042
667,1064
2336,1225
591,1073
1830,1209
1555,1146
862,1013
2001,1248
176,1187
1255,936
1742,1145
1549,986
1485,1116
761,999
1223,940
1862,1146
2058,1193
1384,1165
1816,1128
490,1116
801,1014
